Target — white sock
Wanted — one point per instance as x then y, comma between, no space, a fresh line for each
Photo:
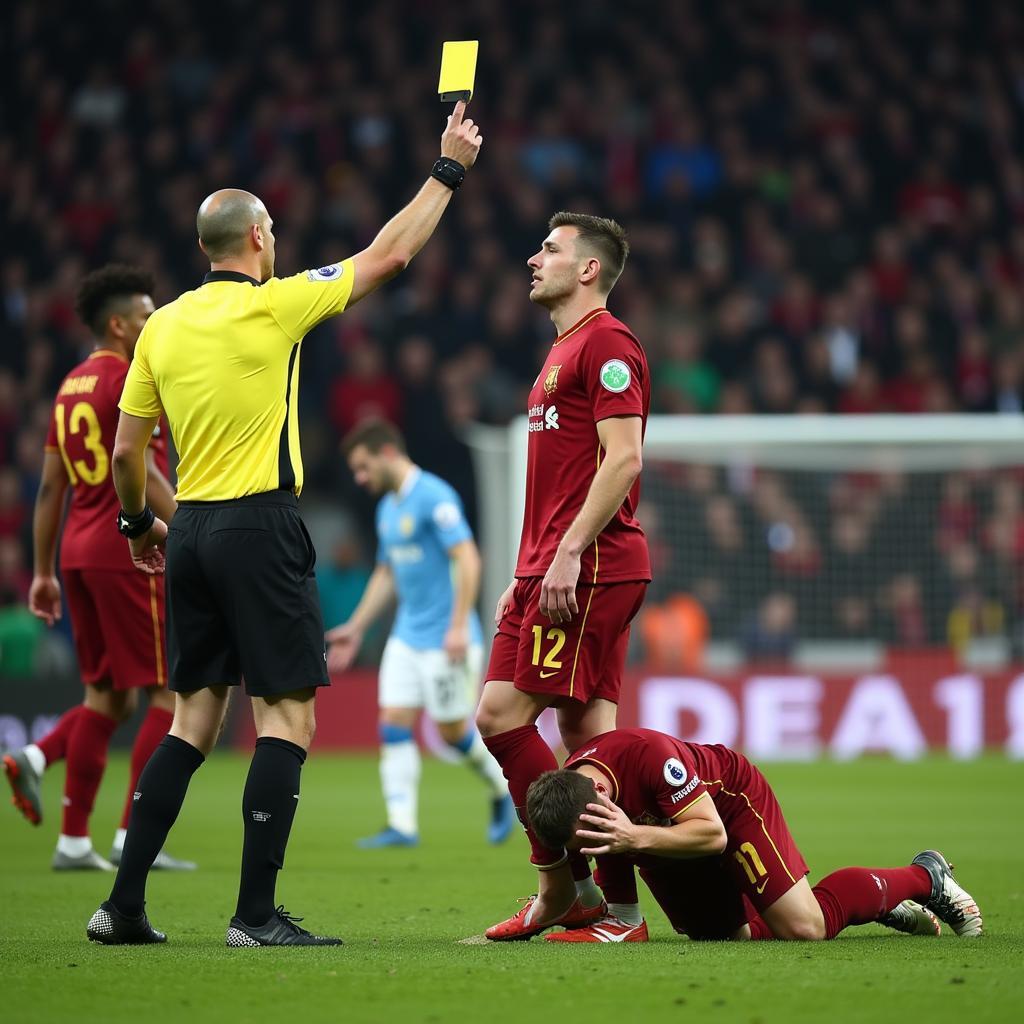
588,893
74,846
480,759
400,780
36,758
119,838
627,913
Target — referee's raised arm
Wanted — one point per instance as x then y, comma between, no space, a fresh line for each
222,363
405,234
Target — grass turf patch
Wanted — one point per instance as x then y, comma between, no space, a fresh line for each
403,913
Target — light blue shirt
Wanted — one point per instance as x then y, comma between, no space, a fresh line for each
416,528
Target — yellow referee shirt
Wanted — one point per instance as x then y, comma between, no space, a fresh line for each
223,363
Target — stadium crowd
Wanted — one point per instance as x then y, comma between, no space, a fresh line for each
826,213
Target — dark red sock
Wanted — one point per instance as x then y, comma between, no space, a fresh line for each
87,758
617,879
54,744
153,729
759,931
861,895
523,757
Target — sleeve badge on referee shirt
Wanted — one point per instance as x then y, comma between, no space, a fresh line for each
329,273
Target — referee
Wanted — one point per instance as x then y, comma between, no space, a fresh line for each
222,362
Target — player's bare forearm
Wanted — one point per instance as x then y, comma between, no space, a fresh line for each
129,460
407,232
606,829
378,595
159,492
47,514
621,463
399,240
698,837
466,559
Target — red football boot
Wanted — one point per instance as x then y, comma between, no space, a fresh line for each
608,929
520,926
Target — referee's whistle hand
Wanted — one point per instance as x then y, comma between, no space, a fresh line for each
147,551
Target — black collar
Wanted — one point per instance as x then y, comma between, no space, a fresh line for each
230,275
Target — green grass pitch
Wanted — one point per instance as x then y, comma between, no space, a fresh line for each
402,914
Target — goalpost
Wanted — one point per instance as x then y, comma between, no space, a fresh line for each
820,547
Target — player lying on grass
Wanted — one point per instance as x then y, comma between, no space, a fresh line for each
708,836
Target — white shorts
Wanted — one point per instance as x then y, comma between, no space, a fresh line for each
410,678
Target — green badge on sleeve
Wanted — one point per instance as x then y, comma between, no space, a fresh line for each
615,376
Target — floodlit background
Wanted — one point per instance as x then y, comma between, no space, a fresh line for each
826,208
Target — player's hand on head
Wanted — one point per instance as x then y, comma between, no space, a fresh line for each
504,603
461,138
147,551
342,646
44,599
558,589
606,829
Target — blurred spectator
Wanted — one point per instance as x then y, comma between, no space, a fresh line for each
772,634
683,382
365,390
816,227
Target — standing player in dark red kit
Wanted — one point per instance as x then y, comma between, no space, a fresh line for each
117,613
709,837
583,567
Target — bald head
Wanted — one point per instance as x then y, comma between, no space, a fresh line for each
225,222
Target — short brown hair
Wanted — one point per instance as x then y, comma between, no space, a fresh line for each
602,234
104,290
373,433
554,803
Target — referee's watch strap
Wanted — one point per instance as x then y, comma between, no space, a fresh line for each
135,526
449,172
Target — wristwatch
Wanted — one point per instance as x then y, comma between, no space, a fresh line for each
135,526
449,172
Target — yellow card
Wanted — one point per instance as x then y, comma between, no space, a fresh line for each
458,70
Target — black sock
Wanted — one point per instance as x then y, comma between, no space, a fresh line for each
268,809
162,788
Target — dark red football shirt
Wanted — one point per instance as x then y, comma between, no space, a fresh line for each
656,777
595,370
82,429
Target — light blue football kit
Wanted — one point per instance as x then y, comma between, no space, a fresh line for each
417,527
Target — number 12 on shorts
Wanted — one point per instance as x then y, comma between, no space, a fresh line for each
556,639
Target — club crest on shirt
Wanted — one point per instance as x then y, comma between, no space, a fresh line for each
406,525
328,273
615,376
551,380
674,771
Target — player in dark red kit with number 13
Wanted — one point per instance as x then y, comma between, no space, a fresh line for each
583,567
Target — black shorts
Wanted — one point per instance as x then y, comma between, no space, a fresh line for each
242,600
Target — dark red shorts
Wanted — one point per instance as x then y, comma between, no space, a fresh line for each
117,618
582,659
712,898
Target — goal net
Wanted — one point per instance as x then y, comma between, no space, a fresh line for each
820,548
